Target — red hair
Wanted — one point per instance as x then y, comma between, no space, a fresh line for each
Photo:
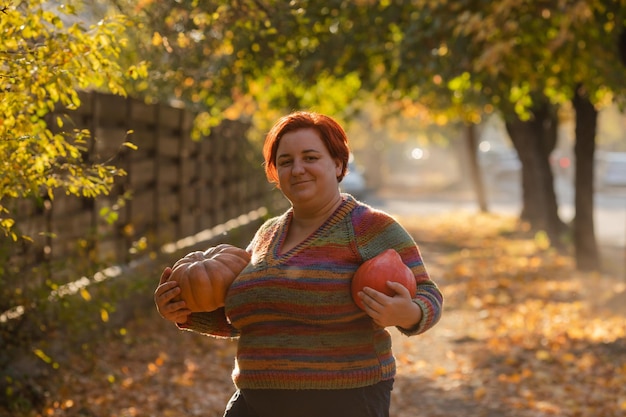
331,133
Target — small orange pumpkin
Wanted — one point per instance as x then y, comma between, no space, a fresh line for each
205,276
375,272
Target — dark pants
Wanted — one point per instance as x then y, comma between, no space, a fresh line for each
372,401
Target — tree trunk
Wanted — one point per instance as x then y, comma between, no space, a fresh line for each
587,257
477,178
622,45
534,140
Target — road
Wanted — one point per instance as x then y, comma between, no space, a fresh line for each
609,207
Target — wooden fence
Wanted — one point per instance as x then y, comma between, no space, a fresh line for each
176,188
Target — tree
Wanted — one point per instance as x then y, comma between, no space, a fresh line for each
520,58
46,58
247,58
525,59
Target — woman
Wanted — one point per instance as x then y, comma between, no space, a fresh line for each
304,347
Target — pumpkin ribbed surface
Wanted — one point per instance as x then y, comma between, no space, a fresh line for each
205,276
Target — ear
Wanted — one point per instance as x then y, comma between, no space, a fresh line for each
338,168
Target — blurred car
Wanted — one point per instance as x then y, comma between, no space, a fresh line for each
611,169
561,163
501,166
354,182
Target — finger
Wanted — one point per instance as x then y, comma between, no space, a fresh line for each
372,306
177,307
174,311
376,296
181,316
166,287
165,275
168,297
399,288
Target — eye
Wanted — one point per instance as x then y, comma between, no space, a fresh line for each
284,162
311,158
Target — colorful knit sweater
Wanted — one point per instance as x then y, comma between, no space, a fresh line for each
297,324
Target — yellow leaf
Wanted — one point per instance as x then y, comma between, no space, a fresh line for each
183,41
7,223
542,240
85,294
157,39
543,355
479,393
440,371
104,315
42,355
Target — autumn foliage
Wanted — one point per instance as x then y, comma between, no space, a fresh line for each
49,54
523,334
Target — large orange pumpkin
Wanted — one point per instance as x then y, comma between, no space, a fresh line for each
375,272
205,276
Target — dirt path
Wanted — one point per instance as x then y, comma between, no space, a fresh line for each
521,336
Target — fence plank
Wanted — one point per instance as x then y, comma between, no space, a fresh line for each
178,188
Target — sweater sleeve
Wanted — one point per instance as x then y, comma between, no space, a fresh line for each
212,323
215,323
376,231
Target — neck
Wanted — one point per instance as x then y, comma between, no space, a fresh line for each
313,216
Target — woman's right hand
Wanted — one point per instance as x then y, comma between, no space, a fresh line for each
164,295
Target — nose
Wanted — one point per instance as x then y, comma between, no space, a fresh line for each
297,167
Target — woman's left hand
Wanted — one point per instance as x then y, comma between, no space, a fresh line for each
397,310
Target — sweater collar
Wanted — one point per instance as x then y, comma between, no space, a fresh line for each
346,206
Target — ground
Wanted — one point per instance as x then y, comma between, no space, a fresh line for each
522,335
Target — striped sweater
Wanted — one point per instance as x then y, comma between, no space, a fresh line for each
296,323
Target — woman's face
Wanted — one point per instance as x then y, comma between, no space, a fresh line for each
306,170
